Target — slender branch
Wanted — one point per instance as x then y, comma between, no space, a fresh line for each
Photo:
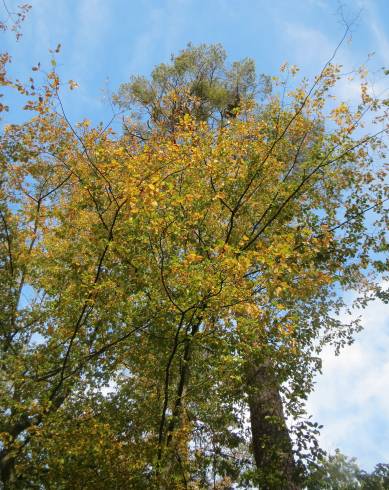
166,385
86,151
306,179
283,133
9,243
86,309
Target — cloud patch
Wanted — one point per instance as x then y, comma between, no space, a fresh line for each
351,398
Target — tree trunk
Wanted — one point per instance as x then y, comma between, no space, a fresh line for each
272,447
7,470
176,466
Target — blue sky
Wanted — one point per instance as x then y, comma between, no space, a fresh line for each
106,41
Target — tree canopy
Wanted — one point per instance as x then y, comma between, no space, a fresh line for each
194,263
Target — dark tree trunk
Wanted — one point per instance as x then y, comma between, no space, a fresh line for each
272,447
7,458
7,470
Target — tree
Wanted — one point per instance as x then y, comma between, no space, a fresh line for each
173,86
337,471
196,82
191,260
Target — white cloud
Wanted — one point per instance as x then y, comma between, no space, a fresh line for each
109,389
310,45
312,49
374,23
351,398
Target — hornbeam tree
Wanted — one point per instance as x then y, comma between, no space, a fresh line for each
198,82
194,263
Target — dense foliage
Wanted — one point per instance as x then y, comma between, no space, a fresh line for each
193,264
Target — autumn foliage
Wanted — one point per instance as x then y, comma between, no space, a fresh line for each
208,240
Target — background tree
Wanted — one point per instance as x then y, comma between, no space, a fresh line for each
337,471
196,82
